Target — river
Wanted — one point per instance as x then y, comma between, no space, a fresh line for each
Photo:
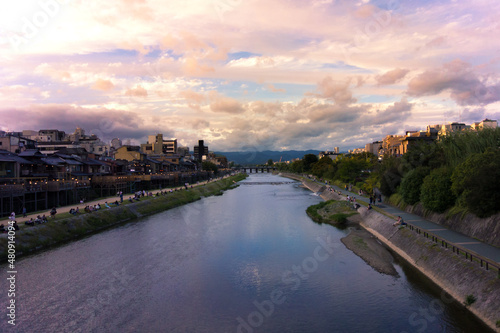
247,261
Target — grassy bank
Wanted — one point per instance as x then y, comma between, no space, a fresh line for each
68,227
331,212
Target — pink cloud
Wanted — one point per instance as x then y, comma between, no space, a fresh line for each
138,91
391,77
338,91
459,78
104,85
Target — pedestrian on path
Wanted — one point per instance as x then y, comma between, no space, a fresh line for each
24,211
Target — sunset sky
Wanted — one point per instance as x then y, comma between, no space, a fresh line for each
248,74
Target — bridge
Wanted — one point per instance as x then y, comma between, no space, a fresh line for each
257,169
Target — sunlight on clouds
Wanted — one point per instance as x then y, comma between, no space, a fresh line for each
302,74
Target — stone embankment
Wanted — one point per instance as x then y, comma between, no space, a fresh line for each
455,275
31,239
458,277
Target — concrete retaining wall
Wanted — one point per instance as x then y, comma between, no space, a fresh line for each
451,272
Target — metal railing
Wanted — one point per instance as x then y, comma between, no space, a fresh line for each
469,255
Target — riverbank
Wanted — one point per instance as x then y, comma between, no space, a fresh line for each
52,233
463,280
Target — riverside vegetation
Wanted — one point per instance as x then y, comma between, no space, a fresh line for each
457,176
66,227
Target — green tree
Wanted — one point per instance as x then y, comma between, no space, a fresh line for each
436,192
209,166
475,183
270,162
411,184
308,161
297,166
321,168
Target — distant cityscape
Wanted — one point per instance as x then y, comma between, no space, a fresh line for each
397,145
56,155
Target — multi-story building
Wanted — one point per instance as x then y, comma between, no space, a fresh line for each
331,154
16,143
157,145
200,151
374,147
486,123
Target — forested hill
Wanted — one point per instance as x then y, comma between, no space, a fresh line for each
261,157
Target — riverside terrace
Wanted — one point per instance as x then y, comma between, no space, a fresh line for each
37,194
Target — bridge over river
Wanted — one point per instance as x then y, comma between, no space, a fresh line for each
258,169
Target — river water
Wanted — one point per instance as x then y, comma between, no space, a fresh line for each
247,261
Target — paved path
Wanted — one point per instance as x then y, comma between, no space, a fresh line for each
472,244
65,209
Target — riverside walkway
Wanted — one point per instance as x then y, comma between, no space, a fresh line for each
65,209
471,244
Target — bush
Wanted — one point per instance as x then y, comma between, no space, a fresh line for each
475,182
436,192
412,183
389,182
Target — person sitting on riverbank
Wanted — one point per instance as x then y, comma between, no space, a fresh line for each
30,222
106,204
72,211
369,206
130,199
400,221
117,203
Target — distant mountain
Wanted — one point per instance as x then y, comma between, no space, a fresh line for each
261,157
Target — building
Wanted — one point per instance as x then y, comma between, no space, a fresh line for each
414,137
391,145
129,153
452,127
50,135
486,123
331,154
200,151
157,145
374,147
16,143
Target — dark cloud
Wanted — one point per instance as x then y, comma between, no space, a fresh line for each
396,113
334,113
105,123
460,79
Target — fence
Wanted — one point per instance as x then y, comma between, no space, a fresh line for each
469,255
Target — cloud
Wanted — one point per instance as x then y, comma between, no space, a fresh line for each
200,123
225,104
459,78
272,88
192,96
396,113
138,91
337,91
334,113
391,77
106,123
104,85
